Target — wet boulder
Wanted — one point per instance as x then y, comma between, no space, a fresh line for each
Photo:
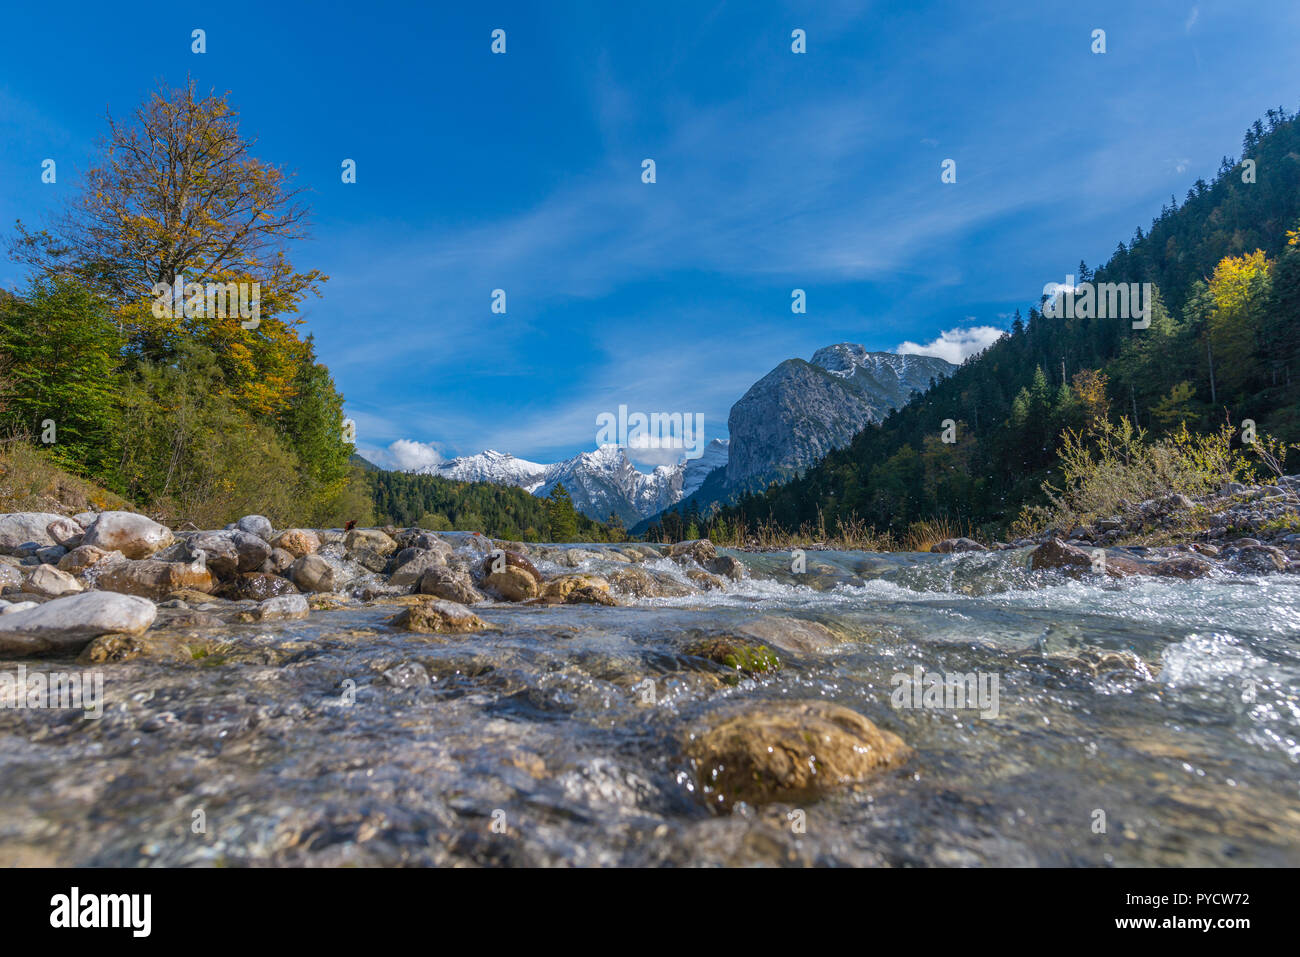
435,616
312,573
510,576
414,562
788,751
68,624
255,586
441,581
700,551
1258,560
281,608
1183,566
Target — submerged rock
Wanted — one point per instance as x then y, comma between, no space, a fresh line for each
435,616
788,751
153,646
282,607
746,657
67,624
255,586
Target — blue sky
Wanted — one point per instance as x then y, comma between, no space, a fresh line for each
775,171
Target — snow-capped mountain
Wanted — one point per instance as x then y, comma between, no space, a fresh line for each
601,483
500,468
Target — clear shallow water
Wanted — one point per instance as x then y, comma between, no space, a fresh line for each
1173,707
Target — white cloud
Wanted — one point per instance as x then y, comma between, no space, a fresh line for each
407,454
1191,19
954,344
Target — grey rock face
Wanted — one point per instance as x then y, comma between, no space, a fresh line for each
801,410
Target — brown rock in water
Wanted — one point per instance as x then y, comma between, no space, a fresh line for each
1055,554
435,616
151,579
443,582
1183,566
950,545
566,585
700,551
511,576
706,580
151,645
788,751
639,583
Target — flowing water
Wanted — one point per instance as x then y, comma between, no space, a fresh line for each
1138,721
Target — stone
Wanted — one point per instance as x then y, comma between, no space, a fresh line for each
255,586
950,545
796,635
218,550
788,751
1183,566
258,525
417,562
729,567
68,624
444,582
297,541
435,616
1258,560
135,536
282,607
66,532
113,648
513,584
562,587
706,580
22,528
314,574
640,583
10,579
700,551
51,582
369,538
279,561
150,578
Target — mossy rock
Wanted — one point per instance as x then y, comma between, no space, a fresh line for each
742,656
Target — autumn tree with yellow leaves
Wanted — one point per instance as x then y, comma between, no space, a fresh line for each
176,195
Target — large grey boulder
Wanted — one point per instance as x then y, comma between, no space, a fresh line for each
135,536
66,625
258,525
20,528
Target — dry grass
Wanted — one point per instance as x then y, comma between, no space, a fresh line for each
852,534
30,482
921,535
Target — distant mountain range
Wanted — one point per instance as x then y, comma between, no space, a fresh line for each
787,421
601,483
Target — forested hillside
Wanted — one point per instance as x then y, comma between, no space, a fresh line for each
1223,346
500,511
